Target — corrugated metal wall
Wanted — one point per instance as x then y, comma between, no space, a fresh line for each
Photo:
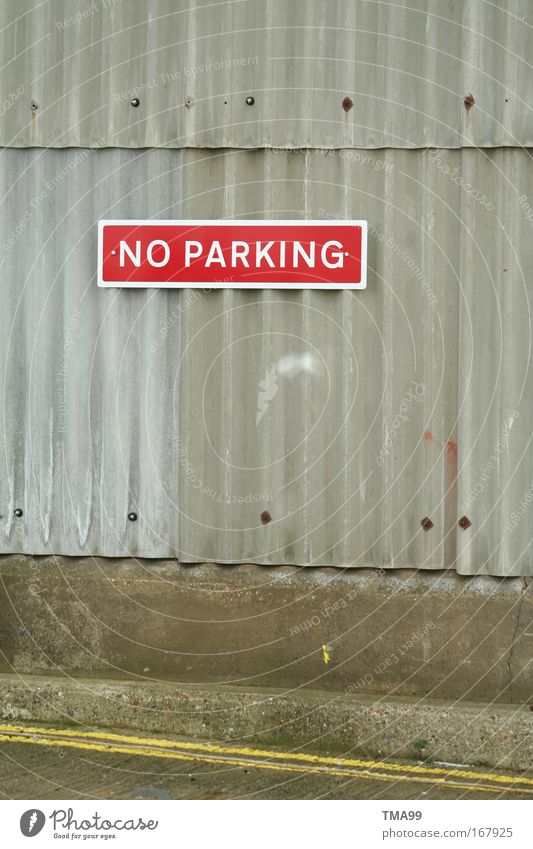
407,67
349,417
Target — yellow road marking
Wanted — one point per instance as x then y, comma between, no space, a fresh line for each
257,764
157,743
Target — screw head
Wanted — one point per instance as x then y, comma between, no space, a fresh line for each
18,512
34,106
250,101
135,102
426,523
132,516
464,522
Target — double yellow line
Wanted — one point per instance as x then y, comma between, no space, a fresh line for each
242,756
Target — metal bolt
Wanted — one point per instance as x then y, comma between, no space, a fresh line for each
18,512
250,101
464,522
426,523
34,106
135,102
132,517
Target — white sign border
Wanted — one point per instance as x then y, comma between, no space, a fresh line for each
213,222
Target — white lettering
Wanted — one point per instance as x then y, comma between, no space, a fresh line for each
189,254
150,251
215,255
338,255
309,258
240,250
135,258
262,253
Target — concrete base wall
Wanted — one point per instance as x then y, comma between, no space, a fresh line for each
399,633
465,733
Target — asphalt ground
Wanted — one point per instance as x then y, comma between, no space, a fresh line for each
51,762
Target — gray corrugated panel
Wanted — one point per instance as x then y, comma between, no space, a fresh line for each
341,371
339,413
496,390
76,471
407,67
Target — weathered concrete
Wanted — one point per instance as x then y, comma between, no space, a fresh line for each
395,633
498,736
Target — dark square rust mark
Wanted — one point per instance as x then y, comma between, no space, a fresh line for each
464,522
347,104
469,101
426,523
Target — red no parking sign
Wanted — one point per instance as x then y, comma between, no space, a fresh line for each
233,254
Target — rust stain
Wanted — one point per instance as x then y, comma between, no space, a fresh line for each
450,445
347,104
452,450
469,101
426,523
464,522
265,517
452,455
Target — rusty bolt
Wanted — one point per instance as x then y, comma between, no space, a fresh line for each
426,523
347,104
469,101
18,512
464,522
265,517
